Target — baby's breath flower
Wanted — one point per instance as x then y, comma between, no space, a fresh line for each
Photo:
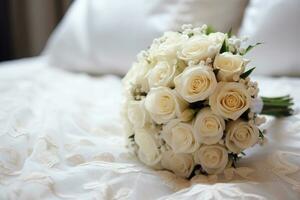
246,61
251,115
251,91
259,120
208,61
242,51
186,26
231,48
204,28
197,31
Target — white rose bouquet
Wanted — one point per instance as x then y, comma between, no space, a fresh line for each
190,106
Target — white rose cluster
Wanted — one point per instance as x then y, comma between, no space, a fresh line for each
190,106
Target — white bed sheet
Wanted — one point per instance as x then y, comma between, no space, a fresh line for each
61,138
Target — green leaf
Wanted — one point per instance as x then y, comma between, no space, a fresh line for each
281,98
224,47
245,115
278,103
277,112
199,169
210,30
131,137
191,35
216,71
234,157
243,153
261,134
247,73
250,47
197,105
229,33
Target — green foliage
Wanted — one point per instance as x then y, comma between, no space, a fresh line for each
210,30
191,35
216,71
197,170
247,73
234,158
198,105
261,134
225,47
250,47
229,33
278,106
131,138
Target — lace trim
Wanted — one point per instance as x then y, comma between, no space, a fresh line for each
44,179
284,168
230,174
216,191
121,168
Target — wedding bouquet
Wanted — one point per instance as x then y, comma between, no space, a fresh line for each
190,106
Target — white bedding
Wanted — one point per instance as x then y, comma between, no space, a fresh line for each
61,138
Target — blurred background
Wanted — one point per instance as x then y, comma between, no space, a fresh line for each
104,36
26,25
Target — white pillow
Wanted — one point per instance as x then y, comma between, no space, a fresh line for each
105,36
276,23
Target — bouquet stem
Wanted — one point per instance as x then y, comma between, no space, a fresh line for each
277,106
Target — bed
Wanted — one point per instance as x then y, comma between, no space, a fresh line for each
61,138
61,135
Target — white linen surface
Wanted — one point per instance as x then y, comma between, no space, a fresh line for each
61,138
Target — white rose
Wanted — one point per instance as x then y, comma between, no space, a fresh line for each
198,47
195,83
240,135
229,65
148,151
212,158
181,164
137,113
162,74
137,76
166,47
180,136
163,104
230,100
208,126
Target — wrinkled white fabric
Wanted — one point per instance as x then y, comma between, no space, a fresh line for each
61,138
